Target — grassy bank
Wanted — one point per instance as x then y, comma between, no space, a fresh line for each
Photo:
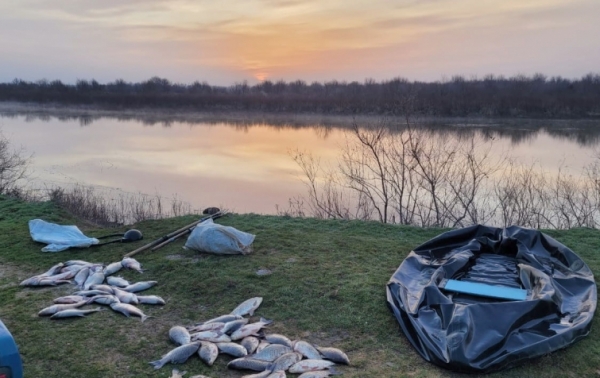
327,286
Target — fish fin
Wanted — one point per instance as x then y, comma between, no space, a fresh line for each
158,363
251,312
266,321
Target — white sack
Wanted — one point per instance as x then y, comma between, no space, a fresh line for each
58,237
222,240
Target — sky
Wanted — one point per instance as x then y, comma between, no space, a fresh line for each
230,41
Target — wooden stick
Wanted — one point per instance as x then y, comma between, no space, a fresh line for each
168,236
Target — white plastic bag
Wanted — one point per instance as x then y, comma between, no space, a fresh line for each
222,240
58,237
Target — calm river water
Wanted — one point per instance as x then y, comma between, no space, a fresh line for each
238,163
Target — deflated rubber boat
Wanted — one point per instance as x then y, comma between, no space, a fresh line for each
482,299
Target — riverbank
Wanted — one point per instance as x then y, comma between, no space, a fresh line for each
327,286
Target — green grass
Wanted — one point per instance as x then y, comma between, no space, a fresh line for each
327,286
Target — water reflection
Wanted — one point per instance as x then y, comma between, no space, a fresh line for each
242,161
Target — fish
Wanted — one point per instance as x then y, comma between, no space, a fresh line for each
179,335
126,297
72,268
73,312
284,362
334,355
90,293
104,299
275,338
54,270
306,349
262,374
222,319
247,307
117,281
277,374
272,352
133,264
82,276
199,376
95,278
247,363
77,262
112,268
310,365
212,336
140,286
234,325
177,356
320,373
250,343
150,299
232,349
250,329
69,299
177,374
262,345
208,352
128,310
106,288
207,327
60,307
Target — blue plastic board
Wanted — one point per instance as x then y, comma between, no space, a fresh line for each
484,290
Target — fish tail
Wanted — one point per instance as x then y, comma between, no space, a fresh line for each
144,317
266,321
158,363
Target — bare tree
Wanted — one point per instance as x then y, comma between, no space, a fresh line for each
13,167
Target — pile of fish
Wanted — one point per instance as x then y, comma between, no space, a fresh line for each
97,285
271,355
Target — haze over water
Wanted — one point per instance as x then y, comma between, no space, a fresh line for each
241,168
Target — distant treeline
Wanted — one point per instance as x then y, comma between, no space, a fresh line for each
491,96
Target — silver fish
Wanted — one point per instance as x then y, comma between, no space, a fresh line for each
72,268
133,264
73,312
320,373
126,297
69,299
285,361
262,345
208,352
150,299
178,355
89,293
250,329
250,343
310,365
95,278
63,276
275,338
82,276
106,288
262,374
277,374
140,286
272,352
112,268
207,327
177,374
247,307
77,262
212,336
179,335
222,319
334,355
306,349
234,325
247,363
54,270
60,307
104,299
199,376
128,310
117,281
232,349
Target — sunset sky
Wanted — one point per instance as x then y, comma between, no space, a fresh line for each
227,41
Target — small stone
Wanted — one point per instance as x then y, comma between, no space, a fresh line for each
263,272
